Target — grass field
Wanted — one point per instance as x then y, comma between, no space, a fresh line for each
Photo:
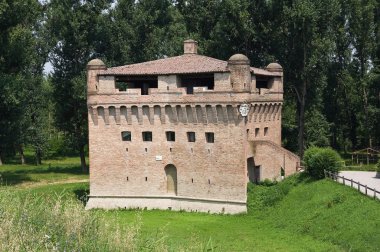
51,171
298,214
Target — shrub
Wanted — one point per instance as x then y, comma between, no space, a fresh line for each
319,159
268,182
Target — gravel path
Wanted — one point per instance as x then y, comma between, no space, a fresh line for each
365,178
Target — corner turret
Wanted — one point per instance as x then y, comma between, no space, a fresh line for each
92,69
239,66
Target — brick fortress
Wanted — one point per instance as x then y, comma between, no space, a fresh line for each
185,132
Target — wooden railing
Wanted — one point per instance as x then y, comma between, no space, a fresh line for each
361,188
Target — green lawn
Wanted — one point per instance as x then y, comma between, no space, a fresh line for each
51,171
298,214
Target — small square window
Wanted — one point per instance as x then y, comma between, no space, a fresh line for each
170,136
147,136
191,136
265,131
126,135
209,137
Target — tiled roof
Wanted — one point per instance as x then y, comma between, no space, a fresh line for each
183,64
259,71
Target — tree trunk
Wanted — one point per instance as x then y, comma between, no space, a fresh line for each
353,127
1,160
302,102
301,121
366,117
38,158
22,156
365,97
83,159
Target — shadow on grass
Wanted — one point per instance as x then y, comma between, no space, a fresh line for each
30,159
11,178
82,195
17,176
304,177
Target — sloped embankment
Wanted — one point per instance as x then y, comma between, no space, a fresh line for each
322,209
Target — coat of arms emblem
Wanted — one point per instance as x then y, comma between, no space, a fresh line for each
244,109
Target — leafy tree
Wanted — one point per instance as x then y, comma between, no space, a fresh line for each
289,125
200,18
317,131
143,30
362,33
21,61
73,26
307,45
36,111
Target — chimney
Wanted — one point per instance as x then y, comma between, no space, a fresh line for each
190,46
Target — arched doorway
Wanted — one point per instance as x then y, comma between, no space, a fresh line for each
171,179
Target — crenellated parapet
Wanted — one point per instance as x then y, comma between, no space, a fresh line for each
164,114
186,114
264,112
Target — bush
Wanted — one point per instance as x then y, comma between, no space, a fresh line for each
268,182
319,159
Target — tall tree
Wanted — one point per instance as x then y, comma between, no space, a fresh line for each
362,33
21,61
308,39
74,27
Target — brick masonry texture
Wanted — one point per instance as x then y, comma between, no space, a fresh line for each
208,177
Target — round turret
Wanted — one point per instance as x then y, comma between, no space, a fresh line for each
240,72
238,57
274,67
96,64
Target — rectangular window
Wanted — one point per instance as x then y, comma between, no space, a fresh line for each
191,136
265,131
209,137
138,83
200,80
170,136
257,132
126,135
147,136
